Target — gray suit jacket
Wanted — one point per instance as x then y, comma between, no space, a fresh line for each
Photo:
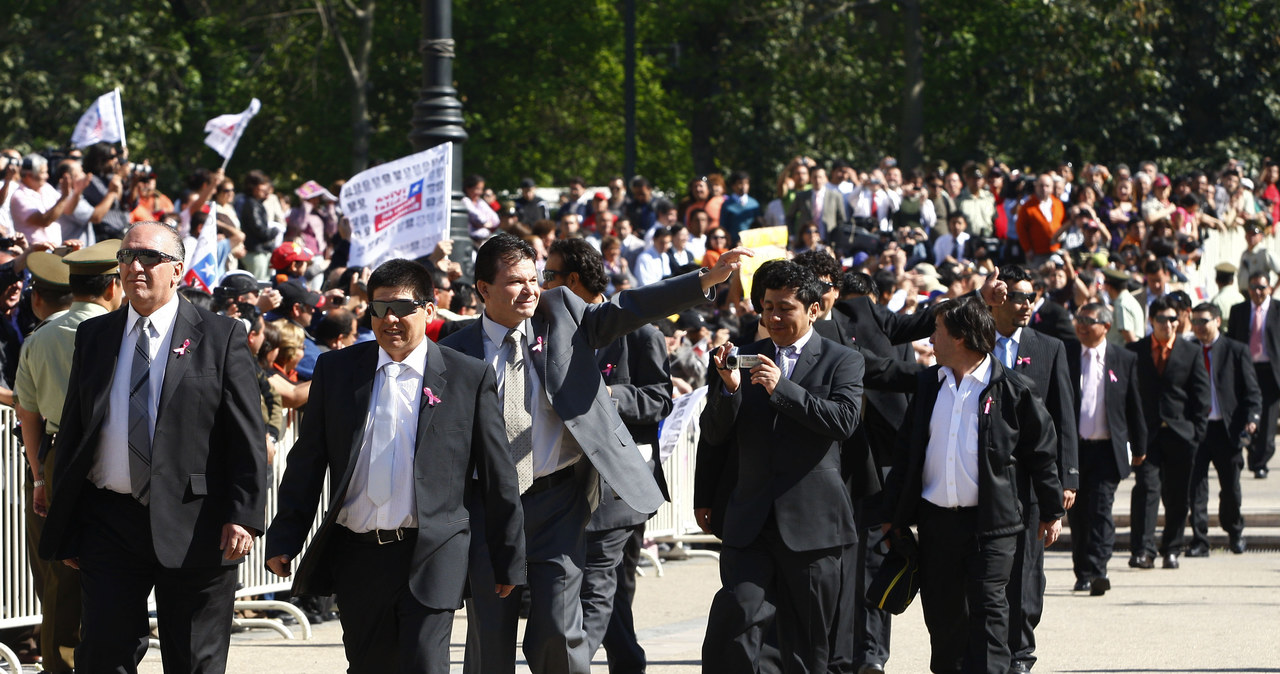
571,330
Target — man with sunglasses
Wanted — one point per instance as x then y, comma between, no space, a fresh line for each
160,481
1043,360
1175,399
1236,407
394,542
1257,324
1109,410
566,436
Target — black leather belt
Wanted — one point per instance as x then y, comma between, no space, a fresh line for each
383,536
548,481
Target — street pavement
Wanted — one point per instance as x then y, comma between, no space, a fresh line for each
1220,614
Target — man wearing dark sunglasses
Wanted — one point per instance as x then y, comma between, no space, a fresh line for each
566,436
400,425
1043,360
162,483
1175,400
1257,324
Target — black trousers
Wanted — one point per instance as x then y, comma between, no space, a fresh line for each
1263,446
1224,452
764,583
1164,476
963,577
623,649
871,625
1026,588
384,627
1093,531
118,570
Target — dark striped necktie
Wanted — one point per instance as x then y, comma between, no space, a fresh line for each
140,415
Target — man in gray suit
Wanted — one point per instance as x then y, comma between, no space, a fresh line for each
821,205
566,436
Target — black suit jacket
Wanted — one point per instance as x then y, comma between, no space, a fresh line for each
457,437
209,455
1122,400
875,329
1043,360
1053,319
789,447
1177,399
1236,384
635,369
1238,329
1016,434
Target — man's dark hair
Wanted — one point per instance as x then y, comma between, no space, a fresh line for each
1209,308
197,297
820,263
400,273
1224,278
254,178
251,315
639,182
738,176
579,256
1154,267
969,319
97,157
661,231
1260,273
885,281
1161,303
757,288
335,324
502,249
195,182
1230,172
1181,301
959,215
438,278
471,181
1015,273
859,284
91,285
463,296
791,276
54,296
577,180
663,206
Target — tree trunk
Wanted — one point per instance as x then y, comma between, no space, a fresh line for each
360,128
912,129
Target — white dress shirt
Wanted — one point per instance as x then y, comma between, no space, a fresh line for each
951,457
652,266
550,452
359,513
1093,393
111,464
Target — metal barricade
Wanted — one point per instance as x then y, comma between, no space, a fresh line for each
674,522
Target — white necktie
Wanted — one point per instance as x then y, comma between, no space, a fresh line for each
385,420
1089,394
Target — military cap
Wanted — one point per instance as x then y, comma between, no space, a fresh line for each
1225,268
1115,274
96,260
48,269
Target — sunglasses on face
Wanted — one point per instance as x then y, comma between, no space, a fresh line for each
400,308
1258,287
1088,321
1199,322
717,236
148,257
1164,319
1021,298
549,275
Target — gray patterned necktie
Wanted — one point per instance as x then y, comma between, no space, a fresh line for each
140,415
784,360
515,411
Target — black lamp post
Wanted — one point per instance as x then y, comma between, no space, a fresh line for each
437,116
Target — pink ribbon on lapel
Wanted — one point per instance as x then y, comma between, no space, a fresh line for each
537,347
432,399
1112,374
986,409
182,350
608,369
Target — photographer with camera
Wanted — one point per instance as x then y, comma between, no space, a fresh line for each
789,515
37,205
106,191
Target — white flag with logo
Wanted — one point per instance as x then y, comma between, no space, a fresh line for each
225,130
102,122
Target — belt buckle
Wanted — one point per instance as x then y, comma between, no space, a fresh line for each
377,535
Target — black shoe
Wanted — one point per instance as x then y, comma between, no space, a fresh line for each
1142,561
1019,667
1099,586
1261,473
1171,561
1081,585
1198,551
1237,545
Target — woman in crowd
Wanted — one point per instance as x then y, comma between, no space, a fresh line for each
290,344
1120,212
717,243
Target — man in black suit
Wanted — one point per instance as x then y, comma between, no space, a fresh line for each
638,379
1175,399
1042,359
1257,324
1108,406
394,543
973,427
566,438
1049,317
161,476
789,514
1236,406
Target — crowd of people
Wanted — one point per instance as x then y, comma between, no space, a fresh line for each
973,353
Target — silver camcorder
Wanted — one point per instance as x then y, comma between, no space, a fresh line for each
744,362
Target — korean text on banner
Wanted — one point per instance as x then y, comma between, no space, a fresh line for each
103,122
399,209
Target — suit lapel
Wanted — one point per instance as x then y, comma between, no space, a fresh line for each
808,357
538,352
433,383
362,383
186,336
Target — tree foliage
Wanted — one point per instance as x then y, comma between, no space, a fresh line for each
723,84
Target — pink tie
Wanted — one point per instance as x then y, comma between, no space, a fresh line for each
1255,335
1089,395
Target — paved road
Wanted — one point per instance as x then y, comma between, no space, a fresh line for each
1220,614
